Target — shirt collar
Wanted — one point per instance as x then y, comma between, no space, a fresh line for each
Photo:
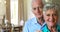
47,30
34,20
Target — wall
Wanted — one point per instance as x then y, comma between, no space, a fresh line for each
2,7
25,10
2,10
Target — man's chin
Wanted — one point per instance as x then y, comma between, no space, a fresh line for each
39,16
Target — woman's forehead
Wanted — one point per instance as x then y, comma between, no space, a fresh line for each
49,11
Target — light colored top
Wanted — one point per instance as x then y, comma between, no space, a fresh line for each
45,29
32,25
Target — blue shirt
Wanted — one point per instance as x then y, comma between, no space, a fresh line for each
32,25
45,29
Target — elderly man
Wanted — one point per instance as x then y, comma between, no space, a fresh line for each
36,23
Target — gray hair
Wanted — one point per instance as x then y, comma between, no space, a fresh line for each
50,6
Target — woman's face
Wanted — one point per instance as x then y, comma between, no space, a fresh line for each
51,17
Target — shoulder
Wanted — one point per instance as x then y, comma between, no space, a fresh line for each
58,27
44,28
32,19
29,21
28,24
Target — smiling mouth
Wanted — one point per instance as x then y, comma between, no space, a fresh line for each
51,21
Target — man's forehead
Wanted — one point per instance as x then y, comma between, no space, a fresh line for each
36,1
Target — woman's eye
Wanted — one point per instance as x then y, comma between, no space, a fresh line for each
55,14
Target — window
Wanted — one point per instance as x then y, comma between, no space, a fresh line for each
14,11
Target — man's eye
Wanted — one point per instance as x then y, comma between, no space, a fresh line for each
34,8
41,7
48,15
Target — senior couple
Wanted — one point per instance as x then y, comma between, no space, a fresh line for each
45,20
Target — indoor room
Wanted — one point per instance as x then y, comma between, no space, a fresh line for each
14,14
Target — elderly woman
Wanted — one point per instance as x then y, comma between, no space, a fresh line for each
50,12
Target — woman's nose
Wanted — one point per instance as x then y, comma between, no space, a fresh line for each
51,18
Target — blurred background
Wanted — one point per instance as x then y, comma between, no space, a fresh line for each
14,14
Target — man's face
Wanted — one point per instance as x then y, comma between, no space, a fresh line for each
51,17
37,8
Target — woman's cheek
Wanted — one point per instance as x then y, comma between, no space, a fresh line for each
47,19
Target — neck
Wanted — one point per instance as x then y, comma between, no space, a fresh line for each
52,28
40,21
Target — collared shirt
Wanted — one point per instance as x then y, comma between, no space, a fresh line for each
45,29
32,25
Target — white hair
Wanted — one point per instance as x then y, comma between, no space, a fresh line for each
50,6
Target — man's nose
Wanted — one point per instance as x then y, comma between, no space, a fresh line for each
38,10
